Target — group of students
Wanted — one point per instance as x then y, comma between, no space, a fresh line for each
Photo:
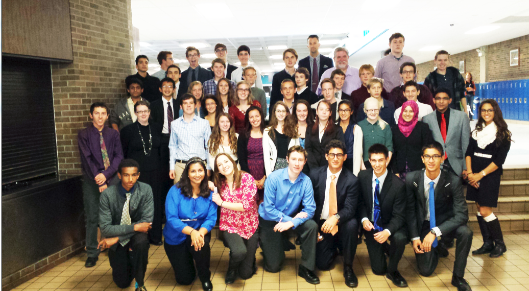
320,167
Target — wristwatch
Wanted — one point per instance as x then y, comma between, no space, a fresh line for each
337,216
433,232
483,173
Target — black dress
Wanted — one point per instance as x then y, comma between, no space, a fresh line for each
408,150
489,186
133,148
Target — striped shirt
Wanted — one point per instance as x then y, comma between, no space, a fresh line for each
188,140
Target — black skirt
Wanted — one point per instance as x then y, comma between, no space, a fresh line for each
487,194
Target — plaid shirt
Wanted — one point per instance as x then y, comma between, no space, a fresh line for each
210,87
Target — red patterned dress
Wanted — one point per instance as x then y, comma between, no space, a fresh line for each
243,223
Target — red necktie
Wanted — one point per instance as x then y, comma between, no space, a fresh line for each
314,75
443,129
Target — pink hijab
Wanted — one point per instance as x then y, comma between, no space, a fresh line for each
407,127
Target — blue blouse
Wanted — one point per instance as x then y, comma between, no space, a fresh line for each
182,211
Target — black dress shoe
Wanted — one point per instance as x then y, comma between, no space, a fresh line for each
297,241
231,275
397,279
486,248
460,283
498,250
350,277
207,286
308,275
90,262
156,243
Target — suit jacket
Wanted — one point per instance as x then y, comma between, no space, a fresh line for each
203,76
158,114
392,200
457,137
325,63
346,193
407,151
316,149
451,209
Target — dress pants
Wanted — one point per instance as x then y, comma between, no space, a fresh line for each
166,182
242,252
182,256
346,240
130,262
154,179
427,262
272,244
397,244
91,208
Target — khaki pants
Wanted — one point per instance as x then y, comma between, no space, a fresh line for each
178,170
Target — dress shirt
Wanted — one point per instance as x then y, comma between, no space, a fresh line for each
291,107
236,76
381,180
352,80
427,199
166,124
388,68
447,118
160,74
374,134
338,95
176,88
130,105
424,109
325,209
210,86
182,211
282,198
193,71
188,140
90,151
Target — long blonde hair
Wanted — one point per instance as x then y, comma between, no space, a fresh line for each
374,101
250,96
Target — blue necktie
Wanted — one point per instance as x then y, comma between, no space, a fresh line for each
431,202
376,208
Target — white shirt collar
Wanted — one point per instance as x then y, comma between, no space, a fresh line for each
301,91
337,174
428,180
381,179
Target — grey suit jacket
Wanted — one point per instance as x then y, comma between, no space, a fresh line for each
260,96
457,137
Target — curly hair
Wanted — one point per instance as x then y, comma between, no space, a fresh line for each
185,183
248,125
289,127
310,113
220,179
215,140
503,132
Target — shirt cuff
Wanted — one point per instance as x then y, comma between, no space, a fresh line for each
415,238
388,231
364,219
437,231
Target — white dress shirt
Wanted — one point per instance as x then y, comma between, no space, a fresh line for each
236,76
325,209
427,199
166,124
381,180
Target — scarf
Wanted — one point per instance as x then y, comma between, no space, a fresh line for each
486,136
406,127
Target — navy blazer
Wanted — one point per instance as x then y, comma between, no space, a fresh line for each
203,76
346,192
158,114
325,63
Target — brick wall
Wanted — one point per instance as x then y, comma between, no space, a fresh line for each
101,40
498,68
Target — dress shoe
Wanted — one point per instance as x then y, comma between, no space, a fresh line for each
350,277
442,251
90,262
297,241
486,248
499,249
308,275
142,288
397,279
231,275
156,243
207,286
460,283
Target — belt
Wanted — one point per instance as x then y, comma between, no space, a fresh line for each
166,134
185,162
483,155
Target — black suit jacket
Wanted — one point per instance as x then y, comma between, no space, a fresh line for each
392,200
346,192
451,209
316,149
325,63
409,149
158,114
203,76
346,96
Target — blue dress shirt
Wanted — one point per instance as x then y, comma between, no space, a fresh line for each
182,211
282,198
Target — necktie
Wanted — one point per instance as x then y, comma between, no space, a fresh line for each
104,153
376,207
443,129
315,75
333,202
336,95
169,116
125,217
193,77
431,202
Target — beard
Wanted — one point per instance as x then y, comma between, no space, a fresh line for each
341,66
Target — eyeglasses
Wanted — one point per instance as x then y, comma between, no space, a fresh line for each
192,55
167,87
442,99
344,110
220,50
142,112
373,110
408,72
428,157
487,110
243,90
334,156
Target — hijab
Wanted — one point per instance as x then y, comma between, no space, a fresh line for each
407,127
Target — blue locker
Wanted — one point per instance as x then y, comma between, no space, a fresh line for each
525,95
508,111
515,95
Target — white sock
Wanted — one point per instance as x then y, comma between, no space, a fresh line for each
490,218
478,214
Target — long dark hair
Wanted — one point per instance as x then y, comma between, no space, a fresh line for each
215,139
219,106
185,183
310,114
289,128
231,93
220,179
352,119
248,125
503,132
329,128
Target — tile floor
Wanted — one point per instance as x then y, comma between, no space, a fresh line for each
510,272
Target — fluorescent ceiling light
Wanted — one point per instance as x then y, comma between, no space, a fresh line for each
277,47
326,50
276,57
142,43
482,29
430,48
214,10
279,65
198,45
330,41
208,56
